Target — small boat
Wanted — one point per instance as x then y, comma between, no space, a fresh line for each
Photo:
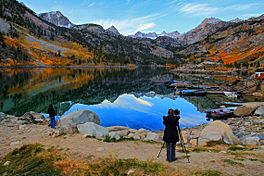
180,84
195,92
220,113
231,94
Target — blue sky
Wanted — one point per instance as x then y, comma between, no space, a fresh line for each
130,16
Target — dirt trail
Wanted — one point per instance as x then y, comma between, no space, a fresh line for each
245,163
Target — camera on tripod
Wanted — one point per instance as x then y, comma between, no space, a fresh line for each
176,112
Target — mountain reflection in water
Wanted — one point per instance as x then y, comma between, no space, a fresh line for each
143,112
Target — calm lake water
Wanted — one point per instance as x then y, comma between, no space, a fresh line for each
135,98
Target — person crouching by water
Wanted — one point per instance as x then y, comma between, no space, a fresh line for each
52,114
171,136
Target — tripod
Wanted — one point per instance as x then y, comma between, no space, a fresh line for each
182,144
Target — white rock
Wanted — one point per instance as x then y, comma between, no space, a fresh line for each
15,143
142,133
69,122
142,130
6,163
114,135
123,133
153,137
253,140
136,137
93,130
130,135
130,171
216,131
132,130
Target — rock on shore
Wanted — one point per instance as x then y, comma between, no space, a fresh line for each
217,131
92,130
68,123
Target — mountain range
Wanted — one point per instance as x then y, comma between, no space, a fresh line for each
28,38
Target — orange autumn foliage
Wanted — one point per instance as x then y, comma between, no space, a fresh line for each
46,56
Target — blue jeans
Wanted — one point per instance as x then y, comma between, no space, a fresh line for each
52,122
171,151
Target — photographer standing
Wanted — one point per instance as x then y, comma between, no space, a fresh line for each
52,114
171,136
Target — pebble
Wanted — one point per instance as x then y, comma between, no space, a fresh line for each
15,143
100,149
6,163
130,171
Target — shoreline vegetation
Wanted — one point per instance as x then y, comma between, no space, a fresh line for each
212,147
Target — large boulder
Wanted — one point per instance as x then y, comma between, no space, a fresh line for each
244,111
69,122
260,111
217,131
252,140
93,130
153,137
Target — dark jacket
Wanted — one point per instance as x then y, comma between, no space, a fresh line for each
51,111
171,131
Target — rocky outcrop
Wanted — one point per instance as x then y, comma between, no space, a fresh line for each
244,111
217,131
259,111
31,117
92,129
69,122
119,132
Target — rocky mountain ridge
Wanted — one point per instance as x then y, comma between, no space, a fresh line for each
154,35
56,18
213,39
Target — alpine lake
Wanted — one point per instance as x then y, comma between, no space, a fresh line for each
137,98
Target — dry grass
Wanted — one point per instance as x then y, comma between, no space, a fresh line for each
36,160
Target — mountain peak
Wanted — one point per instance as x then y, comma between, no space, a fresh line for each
56,18
210,20
113,30
236,20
